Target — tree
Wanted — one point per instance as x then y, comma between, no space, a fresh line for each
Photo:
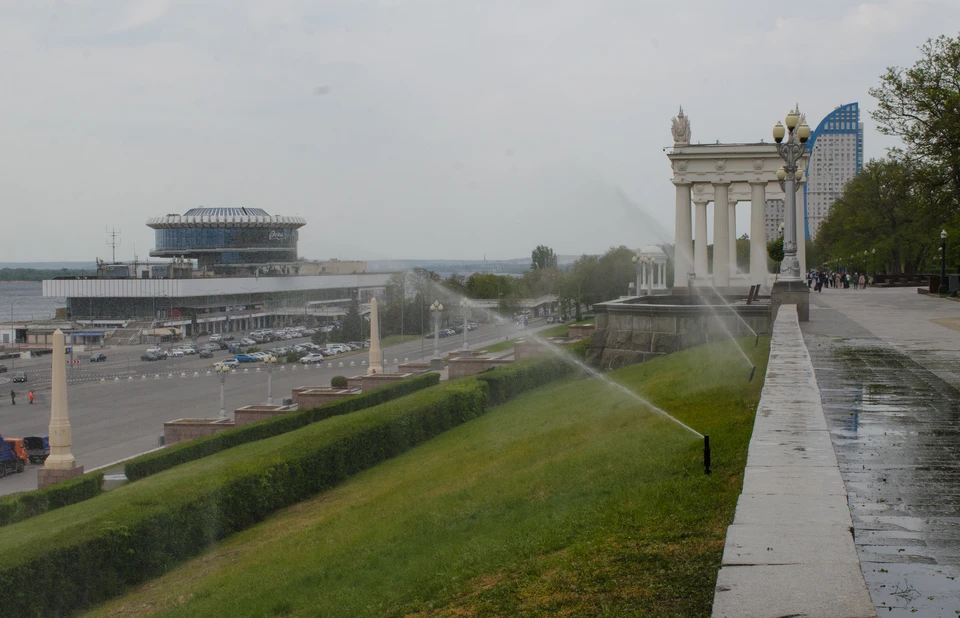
889,207
543,257
921,106
775,252
350,328
743,253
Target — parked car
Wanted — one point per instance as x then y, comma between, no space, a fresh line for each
245,358
216,337
229,363
186,351
98,358
3,368
313,357
20,377
178,353
471,326
149,356
247,341
206,354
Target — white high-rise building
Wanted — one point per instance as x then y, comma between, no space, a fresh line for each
836,158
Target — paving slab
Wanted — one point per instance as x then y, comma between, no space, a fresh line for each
790,549
888,367
825,590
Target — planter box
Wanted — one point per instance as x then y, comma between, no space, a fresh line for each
184,429
314,396
252,414
463,367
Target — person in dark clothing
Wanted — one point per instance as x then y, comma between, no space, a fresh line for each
13,397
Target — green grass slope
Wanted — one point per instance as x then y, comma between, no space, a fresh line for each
572,500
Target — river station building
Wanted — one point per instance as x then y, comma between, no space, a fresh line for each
228,269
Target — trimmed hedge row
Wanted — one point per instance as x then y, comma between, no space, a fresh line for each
94,560
177,454
505,383
145,529
18,507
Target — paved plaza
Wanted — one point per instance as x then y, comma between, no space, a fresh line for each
887,362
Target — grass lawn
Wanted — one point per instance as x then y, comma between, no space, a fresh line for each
574,499
500,347
397,340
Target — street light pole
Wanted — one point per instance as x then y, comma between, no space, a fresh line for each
465,309
270,361
944,288
222,371
436,362
791,152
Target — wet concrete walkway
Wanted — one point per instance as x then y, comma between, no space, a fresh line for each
888,366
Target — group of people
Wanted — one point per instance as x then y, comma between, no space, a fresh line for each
13,397
841,280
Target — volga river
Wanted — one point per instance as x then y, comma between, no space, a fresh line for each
23,301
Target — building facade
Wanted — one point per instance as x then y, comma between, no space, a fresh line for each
836,157
224,239
774,218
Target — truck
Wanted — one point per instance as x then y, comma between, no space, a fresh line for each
38,448
13,456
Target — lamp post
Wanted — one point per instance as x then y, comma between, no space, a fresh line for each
222,371
873,263
791,151
944,288
435,310
465,310
270,361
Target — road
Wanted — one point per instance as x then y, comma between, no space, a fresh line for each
118,407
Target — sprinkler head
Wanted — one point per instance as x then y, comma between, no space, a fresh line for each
753,370
757,342
706,455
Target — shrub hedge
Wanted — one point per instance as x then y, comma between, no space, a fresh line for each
177,454
505,383
18,507
144,529
93,560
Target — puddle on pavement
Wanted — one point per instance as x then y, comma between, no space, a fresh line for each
895,428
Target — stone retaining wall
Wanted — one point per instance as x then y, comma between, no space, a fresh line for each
628,333
313,396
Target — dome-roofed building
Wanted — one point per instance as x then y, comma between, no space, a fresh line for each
223,239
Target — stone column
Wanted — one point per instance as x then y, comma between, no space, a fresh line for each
732,223
376,356
700,259
758,233
721,235
683,250
60,465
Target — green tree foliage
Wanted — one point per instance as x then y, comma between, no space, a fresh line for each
743,253
775,252
350,328
888,207
543,257
921,106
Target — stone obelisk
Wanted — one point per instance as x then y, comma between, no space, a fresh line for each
60,465
376,356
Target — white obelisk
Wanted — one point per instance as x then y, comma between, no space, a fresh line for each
61,438
376,356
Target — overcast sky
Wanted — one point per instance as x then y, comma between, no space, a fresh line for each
407,129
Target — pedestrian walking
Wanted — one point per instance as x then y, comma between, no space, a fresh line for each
30,397
863,282
13,397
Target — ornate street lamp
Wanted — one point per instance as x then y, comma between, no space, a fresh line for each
791,151
270,361
222,371
944,288
435,310
465,311
873,262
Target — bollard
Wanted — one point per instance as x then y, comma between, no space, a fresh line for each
103,379
406,360
258,370
183,374
395,361
129,378
116,379
245,370
196,374
283,368
169,376
363,363
329,365
156,376
341,364
209,372
353,364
